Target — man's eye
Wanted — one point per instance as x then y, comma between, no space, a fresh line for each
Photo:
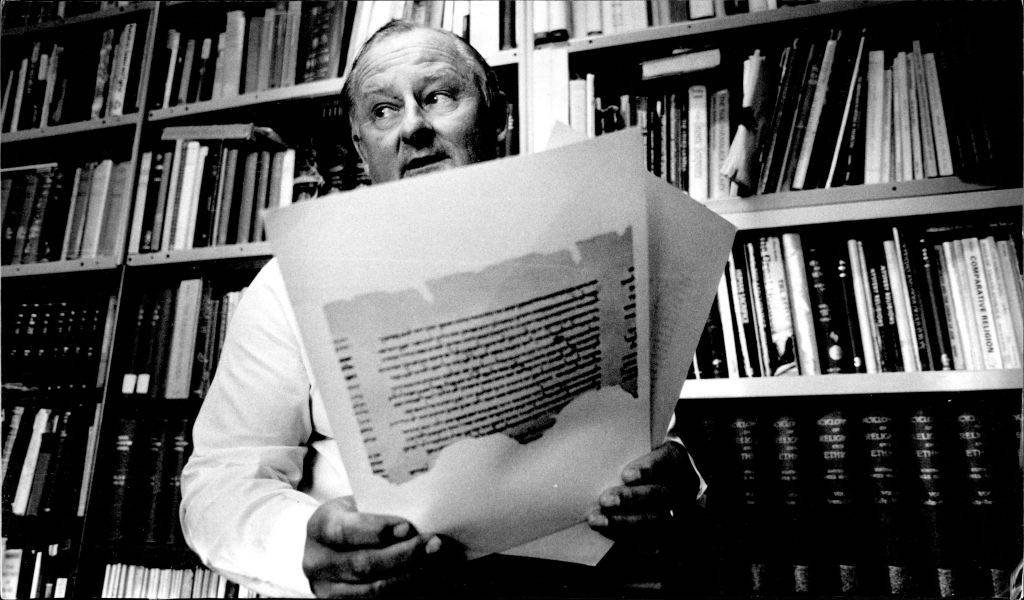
383,111
440,98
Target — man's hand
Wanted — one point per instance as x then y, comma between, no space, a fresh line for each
350,554
657,488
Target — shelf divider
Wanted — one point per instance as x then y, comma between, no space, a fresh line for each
211,253
98,263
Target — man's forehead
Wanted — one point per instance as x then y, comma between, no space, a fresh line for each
420,48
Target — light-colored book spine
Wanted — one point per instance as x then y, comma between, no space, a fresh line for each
195,199
865,318
982,304
234,42
485,26
800,302
904,162
183,339
943,153
19,94
780,319
173,41
962,307
956,345
287,177
928,157
578,105
135,237
1012,284
904,323
13,423
697,113
904,274
1002,316
702,9
189,180
291,42
916,155
814,117
96,215
728,331
718,138
28,467
886,170
115,222
51,84
266,45
120,68
875,113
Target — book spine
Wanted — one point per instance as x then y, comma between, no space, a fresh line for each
887,494
800,303
943,151
904,326
119,480
955,272
761,328
875,115
182,349
728,331
780,319
742,314
718,144
1002,316
840,514
933,499
697,115
981,303
817,105
791,526
916,145
957,352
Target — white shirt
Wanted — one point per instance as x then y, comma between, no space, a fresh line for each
245,500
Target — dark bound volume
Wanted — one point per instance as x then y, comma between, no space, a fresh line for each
890,535
849,325
937,527
748,503
834,353
178,451
791,524
840,516
121,459
989,538
935,314
884,309
793,72
920,308
150,475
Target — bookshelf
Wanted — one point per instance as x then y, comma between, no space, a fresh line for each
129,276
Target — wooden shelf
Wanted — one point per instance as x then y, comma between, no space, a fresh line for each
862,202
252,250
99,263
727,23
302,91
101,15
853,384
69,128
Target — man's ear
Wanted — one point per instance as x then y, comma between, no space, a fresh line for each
499,116
356,144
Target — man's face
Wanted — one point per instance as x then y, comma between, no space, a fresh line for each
416,107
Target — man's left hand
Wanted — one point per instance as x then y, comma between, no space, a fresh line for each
656,489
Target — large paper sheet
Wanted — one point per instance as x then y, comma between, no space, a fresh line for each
688,248
480,336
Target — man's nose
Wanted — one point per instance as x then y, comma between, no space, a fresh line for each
416,127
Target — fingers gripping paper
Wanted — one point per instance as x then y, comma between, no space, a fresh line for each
480,336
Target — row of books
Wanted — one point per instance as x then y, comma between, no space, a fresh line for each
142,467
49,84
44,454
862,498
22,13
821,112
64,211
900,299
176,337
56,346
210,187
281,45
36,572
122,580
557,20
487,25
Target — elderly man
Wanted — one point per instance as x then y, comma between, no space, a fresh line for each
265,497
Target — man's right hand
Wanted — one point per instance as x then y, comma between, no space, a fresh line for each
350,554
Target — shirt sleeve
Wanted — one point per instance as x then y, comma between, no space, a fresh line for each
240,511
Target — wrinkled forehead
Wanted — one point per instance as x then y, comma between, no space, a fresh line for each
418,53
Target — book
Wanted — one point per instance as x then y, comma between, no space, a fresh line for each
99,189
718,144
229,79
838,511
800,305
40,425
697,117
118,486
900,305
183,339
817,105
678,64
791,140
139,207
102,74
777,303
792,506
981,304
